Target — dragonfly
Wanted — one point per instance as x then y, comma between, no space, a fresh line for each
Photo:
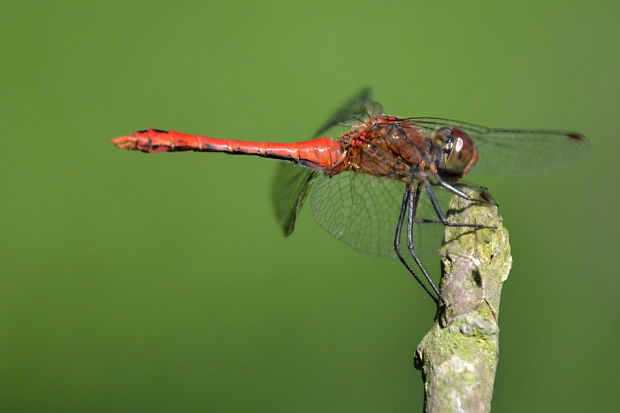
372,186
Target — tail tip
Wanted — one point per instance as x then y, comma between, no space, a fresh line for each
124,142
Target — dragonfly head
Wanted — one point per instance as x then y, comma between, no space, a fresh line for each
457,151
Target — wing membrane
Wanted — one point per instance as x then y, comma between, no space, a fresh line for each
359,210
362,211
507,151
358,108
292,182
290,188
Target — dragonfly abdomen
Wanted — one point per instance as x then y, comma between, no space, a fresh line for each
322,153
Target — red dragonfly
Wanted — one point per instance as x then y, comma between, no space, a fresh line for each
364,186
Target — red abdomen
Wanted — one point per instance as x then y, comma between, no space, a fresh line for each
321,153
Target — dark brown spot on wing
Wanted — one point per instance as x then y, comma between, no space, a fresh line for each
576,136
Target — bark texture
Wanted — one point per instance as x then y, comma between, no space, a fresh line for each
458,356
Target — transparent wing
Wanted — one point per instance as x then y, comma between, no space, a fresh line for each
288,193
292,182
507,151
362,211
359,210
356,109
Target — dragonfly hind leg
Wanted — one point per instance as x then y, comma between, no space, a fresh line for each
410,202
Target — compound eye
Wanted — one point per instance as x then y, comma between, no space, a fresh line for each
443,138
459,153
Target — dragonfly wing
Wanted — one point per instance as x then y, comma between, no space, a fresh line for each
358,108
508,151
362,211
289,191
292,182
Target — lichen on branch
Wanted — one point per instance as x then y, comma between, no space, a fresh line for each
458,356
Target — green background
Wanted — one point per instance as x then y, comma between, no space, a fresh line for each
132,282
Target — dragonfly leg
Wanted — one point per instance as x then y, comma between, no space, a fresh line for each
454,190
427,221
442,216
401,219
484,196
412,207
483,193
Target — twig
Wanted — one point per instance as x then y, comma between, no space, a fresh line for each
458,356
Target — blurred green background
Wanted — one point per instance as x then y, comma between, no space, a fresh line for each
133,282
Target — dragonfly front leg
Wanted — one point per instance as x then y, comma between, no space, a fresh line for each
454,190
441,215
483,192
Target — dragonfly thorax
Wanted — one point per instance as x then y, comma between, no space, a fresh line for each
388,147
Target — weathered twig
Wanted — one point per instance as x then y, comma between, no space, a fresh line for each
458,356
